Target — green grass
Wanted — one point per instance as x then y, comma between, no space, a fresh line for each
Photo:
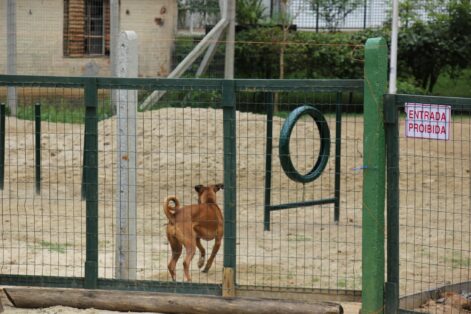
61,113
459,87
457,260
54,247
298,238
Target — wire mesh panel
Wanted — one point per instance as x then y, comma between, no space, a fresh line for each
178,145
304,248
43,221
434,217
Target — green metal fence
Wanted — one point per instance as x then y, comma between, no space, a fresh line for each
428,234
60,172
201,132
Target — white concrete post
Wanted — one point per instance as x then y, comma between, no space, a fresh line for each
126,250
11,53
230,40
394,35
114,36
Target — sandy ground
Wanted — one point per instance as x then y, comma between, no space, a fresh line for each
179,148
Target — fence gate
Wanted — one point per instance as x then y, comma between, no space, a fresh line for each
428,203
62,155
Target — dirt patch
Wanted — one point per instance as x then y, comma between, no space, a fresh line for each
180,148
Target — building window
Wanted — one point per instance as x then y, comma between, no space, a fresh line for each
86,28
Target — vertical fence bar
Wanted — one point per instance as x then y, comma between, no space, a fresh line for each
84,173
338,139
37,122
392,204
91,182
229,120
268,161
2,145
376,58
365,8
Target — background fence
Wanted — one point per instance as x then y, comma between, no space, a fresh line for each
47,238
428,215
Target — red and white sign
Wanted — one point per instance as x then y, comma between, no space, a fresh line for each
428,121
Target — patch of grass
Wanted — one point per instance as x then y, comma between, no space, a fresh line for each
54,247
459,261
298,237
61,113
341,283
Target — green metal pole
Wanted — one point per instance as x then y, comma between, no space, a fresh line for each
2,145
230,190
91,183
338,146
376,58
37,121
268,160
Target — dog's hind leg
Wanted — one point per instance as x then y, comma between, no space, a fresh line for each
217,245
202,253
176,252
190,252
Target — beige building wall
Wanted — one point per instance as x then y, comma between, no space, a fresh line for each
40,38
3,37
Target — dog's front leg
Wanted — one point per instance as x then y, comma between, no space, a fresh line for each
202,253
217,245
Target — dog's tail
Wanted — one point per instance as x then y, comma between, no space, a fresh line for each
170,211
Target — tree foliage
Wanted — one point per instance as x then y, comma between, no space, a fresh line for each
442,43
335,11
250,12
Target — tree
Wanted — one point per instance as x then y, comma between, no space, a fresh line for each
335,11
442,43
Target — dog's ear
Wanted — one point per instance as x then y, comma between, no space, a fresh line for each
218,187
198,188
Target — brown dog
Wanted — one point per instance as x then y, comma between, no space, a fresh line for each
187,225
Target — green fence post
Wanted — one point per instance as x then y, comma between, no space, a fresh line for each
37,122
91,183
2,145
230,188
376,57
338,147
391,122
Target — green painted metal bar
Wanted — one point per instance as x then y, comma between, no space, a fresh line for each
376,57
43,81
178,84
160,286
268,160
37,124
452,101
301,85
391,298
230,166
2,144
91,183
338,147
301,204
391,122
42,281
138,285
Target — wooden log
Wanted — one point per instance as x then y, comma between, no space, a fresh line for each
26,297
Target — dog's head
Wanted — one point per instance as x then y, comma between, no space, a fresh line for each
207,194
